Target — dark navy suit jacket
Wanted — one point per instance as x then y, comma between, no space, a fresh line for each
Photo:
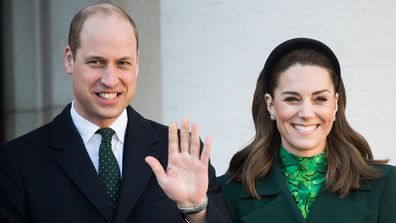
47,176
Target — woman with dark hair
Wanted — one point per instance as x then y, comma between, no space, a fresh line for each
305,163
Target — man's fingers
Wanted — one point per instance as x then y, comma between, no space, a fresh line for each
206,150
156,167
195,143
185,136
173,139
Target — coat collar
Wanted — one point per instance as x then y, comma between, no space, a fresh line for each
140,139
277,204
74,160
264,188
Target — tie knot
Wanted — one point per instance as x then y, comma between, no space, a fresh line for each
107,133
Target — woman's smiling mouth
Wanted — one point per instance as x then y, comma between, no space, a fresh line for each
305,128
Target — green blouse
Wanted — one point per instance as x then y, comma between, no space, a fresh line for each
304,177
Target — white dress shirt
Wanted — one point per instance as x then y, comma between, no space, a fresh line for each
91,140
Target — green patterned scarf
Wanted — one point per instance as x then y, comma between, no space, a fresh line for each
304,177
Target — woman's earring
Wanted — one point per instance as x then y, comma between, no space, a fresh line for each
272,117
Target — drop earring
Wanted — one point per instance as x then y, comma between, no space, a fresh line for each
272,117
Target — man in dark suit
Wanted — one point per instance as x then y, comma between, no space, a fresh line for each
89,164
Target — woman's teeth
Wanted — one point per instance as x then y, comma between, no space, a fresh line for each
305,128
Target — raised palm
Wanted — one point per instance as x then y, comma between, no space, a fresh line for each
185,179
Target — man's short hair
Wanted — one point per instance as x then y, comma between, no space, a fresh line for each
79,20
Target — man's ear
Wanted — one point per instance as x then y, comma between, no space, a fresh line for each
137,63
68,60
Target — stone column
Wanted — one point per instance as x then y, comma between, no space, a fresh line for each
146,14
36,86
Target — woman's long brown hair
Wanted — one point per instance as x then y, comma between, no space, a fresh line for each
349,157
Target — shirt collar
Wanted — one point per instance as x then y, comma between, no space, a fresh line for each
119,125
87,129
313,162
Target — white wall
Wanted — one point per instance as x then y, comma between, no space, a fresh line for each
213,50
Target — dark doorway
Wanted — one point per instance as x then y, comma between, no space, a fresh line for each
2,72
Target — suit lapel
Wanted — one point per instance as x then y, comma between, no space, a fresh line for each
74,160
276,204
139,140
328,207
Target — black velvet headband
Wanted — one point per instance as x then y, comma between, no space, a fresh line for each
295,44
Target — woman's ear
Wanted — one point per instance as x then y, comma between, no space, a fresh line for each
269,102
336,106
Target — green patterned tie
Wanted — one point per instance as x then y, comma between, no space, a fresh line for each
109,171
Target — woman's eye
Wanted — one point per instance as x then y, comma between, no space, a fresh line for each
321,99
291,99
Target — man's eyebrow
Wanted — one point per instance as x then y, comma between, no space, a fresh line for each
94,57
127,58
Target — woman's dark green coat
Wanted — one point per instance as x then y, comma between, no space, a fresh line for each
374,202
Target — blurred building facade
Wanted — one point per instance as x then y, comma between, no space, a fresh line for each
35,85
201,59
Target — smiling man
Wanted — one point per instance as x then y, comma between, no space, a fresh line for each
89,163
103,66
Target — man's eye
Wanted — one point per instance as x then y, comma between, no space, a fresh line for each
94,62
124,63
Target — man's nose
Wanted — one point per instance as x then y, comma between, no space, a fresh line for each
109,76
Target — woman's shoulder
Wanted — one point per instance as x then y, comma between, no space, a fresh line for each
231,189
223,179
386,185
231,192
386,169
228,185
388,175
